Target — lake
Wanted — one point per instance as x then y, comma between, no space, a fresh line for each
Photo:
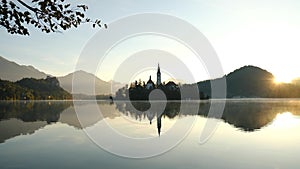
250,133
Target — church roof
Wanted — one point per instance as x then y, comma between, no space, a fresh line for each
171,83
150,81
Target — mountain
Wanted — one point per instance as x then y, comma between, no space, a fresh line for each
249,81
253,82
101,87
12,71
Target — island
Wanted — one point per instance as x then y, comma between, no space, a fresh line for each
141,90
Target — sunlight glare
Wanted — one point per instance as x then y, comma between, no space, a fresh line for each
279,80
285,119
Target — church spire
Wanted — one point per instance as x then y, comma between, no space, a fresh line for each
158,68
159,123
158,81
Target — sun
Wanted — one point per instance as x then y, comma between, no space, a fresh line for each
279,80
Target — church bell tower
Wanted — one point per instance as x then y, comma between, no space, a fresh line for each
158,82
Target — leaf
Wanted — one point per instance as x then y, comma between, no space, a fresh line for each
60,7
67,5
26,13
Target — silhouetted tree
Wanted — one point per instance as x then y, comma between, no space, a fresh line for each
46,15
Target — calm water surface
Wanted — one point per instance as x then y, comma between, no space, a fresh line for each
250,134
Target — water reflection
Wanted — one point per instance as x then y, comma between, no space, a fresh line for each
285,119
246,115
32,111
19,118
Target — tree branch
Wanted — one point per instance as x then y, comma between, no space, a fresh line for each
28,7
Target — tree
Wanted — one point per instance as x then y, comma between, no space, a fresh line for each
46,15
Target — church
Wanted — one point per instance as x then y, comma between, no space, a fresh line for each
150,84
141,90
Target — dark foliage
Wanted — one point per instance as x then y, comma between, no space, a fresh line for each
46,15
33,89
13,91
172,92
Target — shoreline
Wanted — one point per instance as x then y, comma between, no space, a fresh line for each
202,100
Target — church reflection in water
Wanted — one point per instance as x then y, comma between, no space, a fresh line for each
247,116
151,115
143,109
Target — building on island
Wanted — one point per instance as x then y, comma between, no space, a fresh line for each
158,75
141,90
171,86
150,84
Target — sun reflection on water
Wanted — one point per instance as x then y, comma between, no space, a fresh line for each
285,120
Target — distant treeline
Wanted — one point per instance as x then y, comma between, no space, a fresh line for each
33,89
172,92
91,97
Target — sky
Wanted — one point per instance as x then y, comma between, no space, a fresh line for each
264,33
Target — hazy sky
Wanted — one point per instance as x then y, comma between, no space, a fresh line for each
264,33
